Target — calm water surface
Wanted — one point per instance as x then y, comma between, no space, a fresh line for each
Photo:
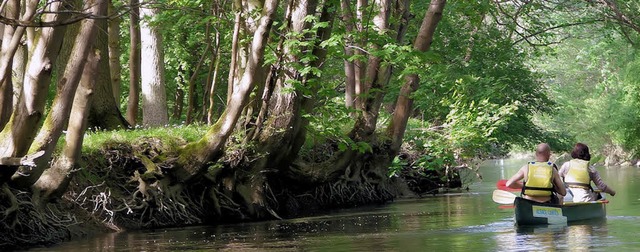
455,222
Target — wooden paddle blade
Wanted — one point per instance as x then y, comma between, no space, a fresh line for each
502,185
503,197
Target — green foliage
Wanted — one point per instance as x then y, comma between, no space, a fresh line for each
476,88
593,81
630,134
183,25
396,166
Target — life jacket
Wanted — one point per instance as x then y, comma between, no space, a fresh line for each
578,174
539,179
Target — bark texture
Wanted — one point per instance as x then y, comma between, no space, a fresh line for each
55,180
58,117
154,97
12,10
114,52
20,131
210,147
404,104
105,110
134,63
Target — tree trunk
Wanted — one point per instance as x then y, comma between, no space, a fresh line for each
178,103
349,65
375,79
58,116
55,180
19,68
359,65
134,63
114,53
235,41
194,156
284,123
154,98
404,104
214,79
192,97
371,80
19,132
105,110
9,45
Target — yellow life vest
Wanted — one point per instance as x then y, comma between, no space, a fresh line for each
539,179
578,174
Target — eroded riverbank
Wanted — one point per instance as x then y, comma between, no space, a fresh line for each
442,223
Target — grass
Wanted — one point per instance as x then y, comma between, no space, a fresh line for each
94,141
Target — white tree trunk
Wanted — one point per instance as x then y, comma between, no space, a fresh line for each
154,98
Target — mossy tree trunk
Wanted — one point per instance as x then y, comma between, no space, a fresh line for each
55,180
12,10
58,116
370,166
11,40
20,131
279,131
371,79
194,157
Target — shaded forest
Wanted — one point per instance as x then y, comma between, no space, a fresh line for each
141,114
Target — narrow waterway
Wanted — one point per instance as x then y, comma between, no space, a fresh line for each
467,221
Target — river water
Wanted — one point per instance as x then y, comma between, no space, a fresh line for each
454,222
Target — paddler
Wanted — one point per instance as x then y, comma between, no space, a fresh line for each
578,175
539,179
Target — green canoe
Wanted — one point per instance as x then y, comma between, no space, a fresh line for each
533,213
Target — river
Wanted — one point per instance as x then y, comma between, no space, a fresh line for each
453,222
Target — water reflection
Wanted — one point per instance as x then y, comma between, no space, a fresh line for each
456,222
579,236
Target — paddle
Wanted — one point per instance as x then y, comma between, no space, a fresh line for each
503,197
502,185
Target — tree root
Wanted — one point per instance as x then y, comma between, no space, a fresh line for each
25,225
13,204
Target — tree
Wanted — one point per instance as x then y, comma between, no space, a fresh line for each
6,87
134,63
71,110
19,133
105,109
58,118
114,52
154,98
210,147
404,104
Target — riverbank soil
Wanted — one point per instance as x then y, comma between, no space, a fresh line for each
122,187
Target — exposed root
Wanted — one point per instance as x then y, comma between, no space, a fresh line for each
13,203
24,224
128,187
335,195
